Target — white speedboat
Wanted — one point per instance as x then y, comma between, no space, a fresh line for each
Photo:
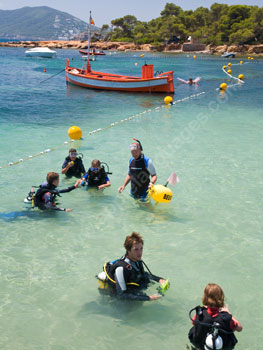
40,52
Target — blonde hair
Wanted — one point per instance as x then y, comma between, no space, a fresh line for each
213,296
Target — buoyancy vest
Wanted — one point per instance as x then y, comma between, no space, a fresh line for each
140,176
198,333
38,199
96,179
75,170
134,277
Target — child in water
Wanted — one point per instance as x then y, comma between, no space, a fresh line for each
96,176
213,310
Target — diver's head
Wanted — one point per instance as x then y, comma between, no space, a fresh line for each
134,246
95,165
190,81
73,154
53,178
136,150
213,296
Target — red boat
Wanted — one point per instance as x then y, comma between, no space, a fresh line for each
96,53
106,81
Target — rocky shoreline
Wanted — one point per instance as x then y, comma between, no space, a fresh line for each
240,50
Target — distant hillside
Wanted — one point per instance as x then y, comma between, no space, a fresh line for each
40,23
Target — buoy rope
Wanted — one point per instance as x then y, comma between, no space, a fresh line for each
231,76
138,115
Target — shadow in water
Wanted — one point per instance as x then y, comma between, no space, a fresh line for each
34,214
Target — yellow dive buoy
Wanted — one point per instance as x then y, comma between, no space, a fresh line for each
251,58
241,62
229,64
248,58
142,55
224,67
168,100
194,57
241,77
75,133
161,194
229,71
223,86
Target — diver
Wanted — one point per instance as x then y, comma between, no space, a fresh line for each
125,277
141,168
213,324
45,196
96,176
73,165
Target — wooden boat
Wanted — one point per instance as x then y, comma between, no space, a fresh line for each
96,53
106,81
87,78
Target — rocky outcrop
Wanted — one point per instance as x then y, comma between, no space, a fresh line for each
127,46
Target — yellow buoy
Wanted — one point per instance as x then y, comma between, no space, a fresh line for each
223,86
241,77
224,67
241,62
194,57
229,71
251,58
229,64
168,100
161,194
142,55
75,133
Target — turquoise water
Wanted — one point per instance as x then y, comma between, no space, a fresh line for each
210,232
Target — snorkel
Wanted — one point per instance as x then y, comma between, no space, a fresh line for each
138,143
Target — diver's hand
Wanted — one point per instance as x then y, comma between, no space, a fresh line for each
155,297
100,187
68,210
78,182
162,281
70,164
120,189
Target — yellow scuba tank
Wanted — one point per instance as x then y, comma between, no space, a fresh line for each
102,280
160,193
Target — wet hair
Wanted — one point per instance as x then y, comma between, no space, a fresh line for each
213,296
72,150
51,176
95,164
131,240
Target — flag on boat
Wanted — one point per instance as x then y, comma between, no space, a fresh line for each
91,21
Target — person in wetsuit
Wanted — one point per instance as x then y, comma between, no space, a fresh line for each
46,194
142,174
126,276
96,176
213,310
73,165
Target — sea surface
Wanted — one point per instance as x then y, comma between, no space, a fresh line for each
211,231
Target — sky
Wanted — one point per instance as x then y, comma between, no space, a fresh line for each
103,11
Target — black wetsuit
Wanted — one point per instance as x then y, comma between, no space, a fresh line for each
76,170
125,271
46,195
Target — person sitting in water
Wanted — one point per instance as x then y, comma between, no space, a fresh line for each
141,168
96,176
213,310
126,276
73,165
46,194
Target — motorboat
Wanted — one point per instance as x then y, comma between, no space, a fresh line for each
93,52
228,55
40,52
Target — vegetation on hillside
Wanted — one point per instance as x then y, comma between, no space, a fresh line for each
221,24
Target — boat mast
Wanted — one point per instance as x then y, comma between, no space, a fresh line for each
89,39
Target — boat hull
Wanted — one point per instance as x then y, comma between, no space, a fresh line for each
96,53
106,81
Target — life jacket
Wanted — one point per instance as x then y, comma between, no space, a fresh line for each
96,179
38,198
75,170
140,176
134,277
198,333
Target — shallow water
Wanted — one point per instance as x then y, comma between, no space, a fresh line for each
210,232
